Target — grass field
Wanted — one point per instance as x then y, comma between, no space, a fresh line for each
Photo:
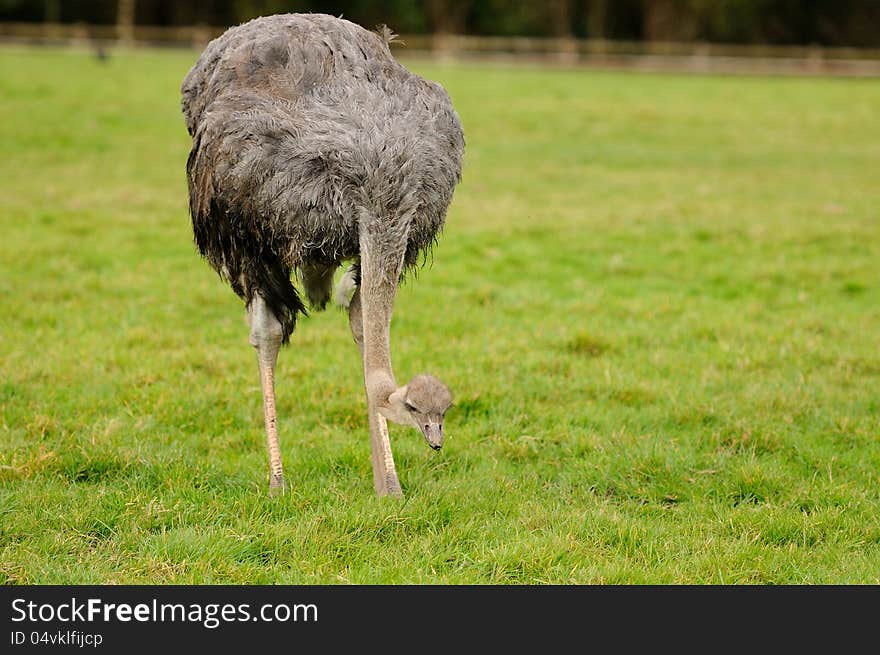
656,300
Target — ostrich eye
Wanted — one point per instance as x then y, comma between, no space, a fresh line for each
410,406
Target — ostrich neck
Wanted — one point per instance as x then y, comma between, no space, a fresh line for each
377,302
378,374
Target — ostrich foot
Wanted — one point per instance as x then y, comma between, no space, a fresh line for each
277,487
384,472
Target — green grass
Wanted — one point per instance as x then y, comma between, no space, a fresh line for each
657,302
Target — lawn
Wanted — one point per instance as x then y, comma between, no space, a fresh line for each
656,301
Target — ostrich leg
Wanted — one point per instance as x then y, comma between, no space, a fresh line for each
265,337
384,473
374,301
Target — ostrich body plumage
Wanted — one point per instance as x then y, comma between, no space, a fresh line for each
306,130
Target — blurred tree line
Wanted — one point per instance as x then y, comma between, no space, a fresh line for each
825,22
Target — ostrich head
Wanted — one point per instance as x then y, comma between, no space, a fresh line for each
421,404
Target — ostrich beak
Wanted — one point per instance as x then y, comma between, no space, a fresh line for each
433,434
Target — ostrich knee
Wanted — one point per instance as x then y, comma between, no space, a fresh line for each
355,320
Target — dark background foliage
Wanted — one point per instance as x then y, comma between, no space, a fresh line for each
822,22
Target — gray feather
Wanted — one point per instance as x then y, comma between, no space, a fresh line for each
305,130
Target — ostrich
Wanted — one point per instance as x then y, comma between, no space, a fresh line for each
311,148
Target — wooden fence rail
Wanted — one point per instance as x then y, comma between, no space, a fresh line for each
638,55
